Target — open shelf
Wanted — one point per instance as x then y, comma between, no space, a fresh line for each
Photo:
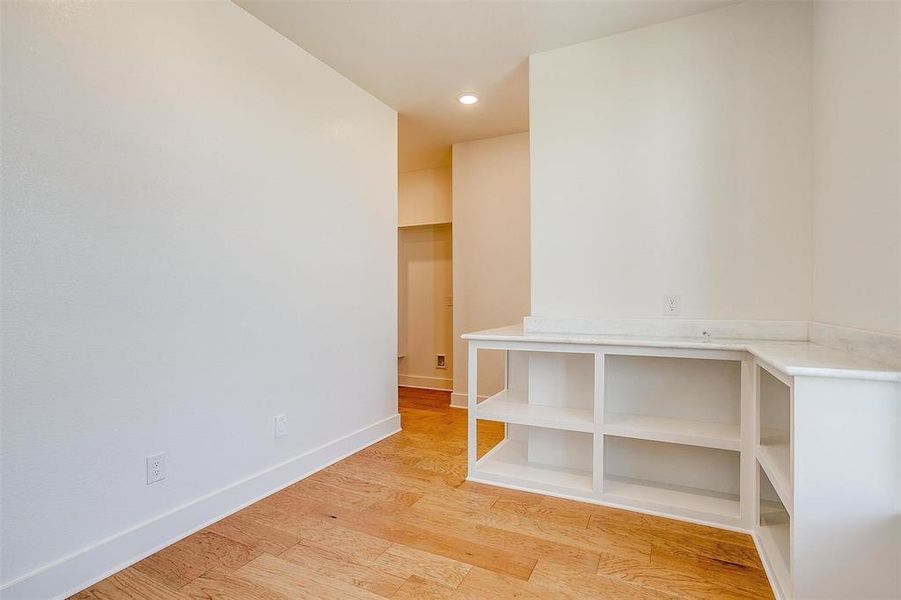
774,531
774,445
693,500
695,481
512,406
509,463
774,459
679,431
691,401
545,389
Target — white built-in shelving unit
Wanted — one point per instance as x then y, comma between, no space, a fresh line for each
713,434
660,432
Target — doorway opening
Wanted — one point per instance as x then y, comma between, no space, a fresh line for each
425,307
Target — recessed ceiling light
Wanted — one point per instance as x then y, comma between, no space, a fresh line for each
467,98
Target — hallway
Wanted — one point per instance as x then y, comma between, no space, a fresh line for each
398,520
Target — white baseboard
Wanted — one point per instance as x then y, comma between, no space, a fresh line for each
768,569
77,571
462,400
873,345
428,383
672,327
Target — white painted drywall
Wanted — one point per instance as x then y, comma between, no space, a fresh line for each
675,159
199,233
857,153
424,197
426,268
491,247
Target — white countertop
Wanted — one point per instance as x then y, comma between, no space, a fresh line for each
792,358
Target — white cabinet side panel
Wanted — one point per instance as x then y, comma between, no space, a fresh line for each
845,523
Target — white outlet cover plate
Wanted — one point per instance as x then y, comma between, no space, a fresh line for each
156,468
281,425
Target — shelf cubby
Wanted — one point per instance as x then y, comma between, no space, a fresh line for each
688,401
550,459
698,482
545,389
513,407
774,443
774,531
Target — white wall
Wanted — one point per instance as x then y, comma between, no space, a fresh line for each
857,153
491,247
675,159
199,233
424,197
425,264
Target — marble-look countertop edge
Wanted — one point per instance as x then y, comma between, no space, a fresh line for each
761,349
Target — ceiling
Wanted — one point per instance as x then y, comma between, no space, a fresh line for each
418,56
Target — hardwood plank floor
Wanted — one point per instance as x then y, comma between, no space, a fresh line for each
398,520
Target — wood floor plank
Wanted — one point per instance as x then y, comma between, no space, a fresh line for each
544,512
377,524
469,529
392,453
417,588
296,581
575,536
405,562
515,495
354,546
746,579
290,521
381,581
129,584
601,516
254,533
217,584
481,584
367,489
289,502
458,497
394,475
720,551
677,542
551,576
683,583
314,491
182,562
399,520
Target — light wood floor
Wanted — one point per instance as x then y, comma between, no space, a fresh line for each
397,520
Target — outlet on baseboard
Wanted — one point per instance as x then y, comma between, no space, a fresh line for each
441,361
156,468
281,425
672,305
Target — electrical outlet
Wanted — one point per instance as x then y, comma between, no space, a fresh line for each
281,425
156,468
672,305
441,361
